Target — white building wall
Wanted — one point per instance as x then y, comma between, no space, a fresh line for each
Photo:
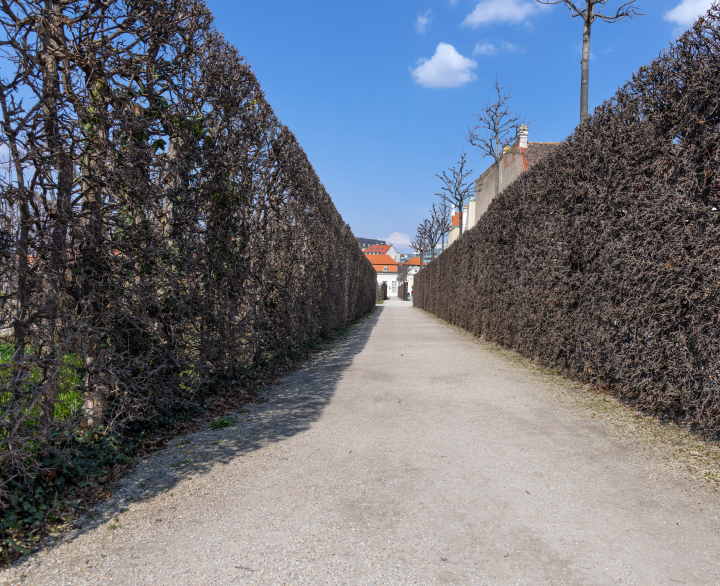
455,232
391,280
393,254
511,167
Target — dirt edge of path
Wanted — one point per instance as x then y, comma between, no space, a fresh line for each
678,449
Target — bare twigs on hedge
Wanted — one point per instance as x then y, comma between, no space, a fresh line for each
162,234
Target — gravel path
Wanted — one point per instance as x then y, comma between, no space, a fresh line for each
406,455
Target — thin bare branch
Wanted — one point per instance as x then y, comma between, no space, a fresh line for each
455,187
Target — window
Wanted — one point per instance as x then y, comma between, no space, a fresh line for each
394,286
385,269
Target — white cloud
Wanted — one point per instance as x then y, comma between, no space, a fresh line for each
399,240
511,47
685,13
485,49
446,68
490,48
512,11
423,20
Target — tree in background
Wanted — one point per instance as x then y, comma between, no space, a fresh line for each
402,273
455,189
420,242
589,14
435,227
443,223
497,125
443,218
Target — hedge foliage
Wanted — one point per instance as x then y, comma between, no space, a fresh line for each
162,235
604,258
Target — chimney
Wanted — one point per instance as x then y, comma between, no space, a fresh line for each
523,136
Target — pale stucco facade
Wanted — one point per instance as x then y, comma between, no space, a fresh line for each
515,160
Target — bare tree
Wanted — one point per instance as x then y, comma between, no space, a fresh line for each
455,189
402,273
434,227
429,232
420,243
443,218
441,225
497,125
589,14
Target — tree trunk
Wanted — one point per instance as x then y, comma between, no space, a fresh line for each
24,285
585,64
96,389
62,164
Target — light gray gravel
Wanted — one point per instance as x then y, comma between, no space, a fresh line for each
407,455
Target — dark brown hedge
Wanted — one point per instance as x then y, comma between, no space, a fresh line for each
381,291
604,258
162,235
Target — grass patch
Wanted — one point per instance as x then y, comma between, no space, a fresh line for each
221,422
69,399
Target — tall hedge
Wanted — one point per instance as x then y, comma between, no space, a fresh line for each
162,235
604,258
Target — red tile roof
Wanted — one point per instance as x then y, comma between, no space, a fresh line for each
380,261
415,262
377,249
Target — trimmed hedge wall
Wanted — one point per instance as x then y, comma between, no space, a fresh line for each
604,258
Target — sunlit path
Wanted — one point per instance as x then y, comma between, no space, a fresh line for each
408,454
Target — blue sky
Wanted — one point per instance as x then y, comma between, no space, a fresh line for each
379,92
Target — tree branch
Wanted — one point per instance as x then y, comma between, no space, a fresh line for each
621,14
574,10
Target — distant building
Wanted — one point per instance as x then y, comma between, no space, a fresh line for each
515,160
429,254
366,242
387,249
386,268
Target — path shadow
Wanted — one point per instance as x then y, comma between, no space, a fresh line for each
284,410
